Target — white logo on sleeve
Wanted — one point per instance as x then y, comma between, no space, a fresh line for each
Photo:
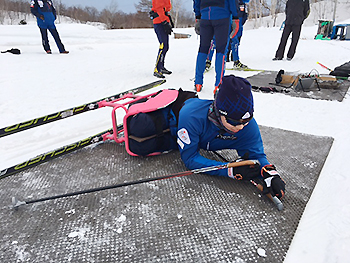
184,136
246,116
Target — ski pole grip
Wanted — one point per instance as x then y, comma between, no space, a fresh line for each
242,163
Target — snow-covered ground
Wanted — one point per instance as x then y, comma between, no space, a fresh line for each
102,63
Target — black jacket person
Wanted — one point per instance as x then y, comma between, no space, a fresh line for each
296,12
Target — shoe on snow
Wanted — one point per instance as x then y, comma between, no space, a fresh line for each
64,52
165,71
158,75
238,64
277,58
207,64
198,87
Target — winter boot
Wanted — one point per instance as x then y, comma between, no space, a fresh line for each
165,71
277,58
238,64
158,74
198,87
207,64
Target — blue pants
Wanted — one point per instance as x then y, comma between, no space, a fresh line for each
55,35
163,39
208,29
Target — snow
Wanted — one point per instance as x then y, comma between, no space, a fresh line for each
102,63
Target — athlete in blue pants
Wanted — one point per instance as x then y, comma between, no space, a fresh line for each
215,20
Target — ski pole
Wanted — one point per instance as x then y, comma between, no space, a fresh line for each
323,66
16,203
274,199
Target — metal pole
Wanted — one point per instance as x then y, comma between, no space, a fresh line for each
335,9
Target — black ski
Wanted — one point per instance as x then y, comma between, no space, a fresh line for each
42,158
72,111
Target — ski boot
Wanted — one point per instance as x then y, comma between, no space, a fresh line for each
207,64
165,71
158,74
238,64
198,87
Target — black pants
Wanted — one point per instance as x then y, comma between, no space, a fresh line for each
55,35
295,30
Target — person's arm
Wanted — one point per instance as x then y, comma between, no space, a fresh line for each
196,8
34,8
53,10
232,5
306,9
159,6
167,6
188,138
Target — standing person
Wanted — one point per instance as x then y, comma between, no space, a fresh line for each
226,123
296,12
235,42
45,14
215,20
162,27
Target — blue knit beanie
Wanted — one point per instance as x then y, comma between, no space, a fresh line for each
234,98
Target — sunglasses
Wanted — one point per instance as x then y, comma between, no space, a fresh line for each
237,122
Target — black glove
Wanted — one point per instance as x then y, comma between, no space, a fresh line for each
273,183
279,77
246,172
235,27
153,14
167,27
197,26
42,17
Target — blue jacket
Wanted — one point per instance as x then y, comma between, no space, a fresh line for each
44,8
202,134
214,9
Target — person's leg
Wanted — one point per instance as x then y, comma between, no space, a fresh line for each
295,38
57,38
44,39
236,41
286,32
234,46
221,32
163,39
206,36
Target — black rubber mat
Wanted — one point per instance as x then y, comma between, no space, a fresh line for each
196,218
327,90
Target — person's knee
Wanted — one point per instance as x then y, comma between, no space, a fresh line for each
204,49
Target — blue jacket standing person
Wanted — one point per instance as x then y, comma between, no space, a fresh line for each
45,14
215,20
163,28
296,12
226,123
